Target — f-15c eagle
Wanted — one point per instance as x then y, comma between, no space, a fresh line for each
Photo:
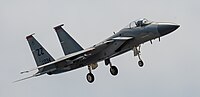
129,38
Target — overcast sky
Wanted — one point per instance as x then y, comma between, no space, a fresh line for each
171,66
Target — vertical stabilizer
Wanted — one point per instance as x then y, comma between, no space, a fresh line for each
69,45
41,56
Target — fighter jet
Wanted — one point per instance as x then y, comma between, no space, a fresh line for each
127,39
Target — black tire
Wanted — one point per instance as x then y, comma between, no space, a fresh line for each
90,77
113,70
141,63
49,73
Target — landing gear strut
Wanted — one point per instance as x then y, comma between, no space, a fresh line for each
90,76
137,53
140,62
113,69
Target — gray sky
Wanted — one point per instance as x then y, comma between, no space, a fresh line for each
171,66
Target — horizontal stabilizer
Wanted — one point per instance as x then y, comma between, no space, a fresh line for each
24,78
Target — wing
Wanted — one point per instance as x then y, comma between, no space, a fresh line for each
78,55
68,58
35,75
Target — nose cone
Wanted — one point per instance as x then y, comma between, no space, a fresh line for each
167,28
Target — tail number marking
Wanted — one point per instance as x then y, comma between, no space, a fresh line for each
40,51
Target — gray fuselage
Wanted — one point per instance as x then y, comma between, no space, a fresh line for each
125,40
140,35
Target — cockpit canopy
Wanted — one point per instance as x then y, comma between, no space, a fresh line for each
139,23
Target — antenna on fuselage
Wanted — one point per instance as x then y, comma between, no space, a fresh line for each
151,42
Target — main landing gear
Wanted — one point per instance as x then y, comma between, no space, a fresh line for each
140,62
90,76
113,69
137,53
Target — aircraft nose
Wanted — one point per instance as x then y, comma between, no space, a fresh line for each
167,28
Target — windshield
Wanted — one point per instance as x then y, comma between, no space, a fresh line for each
138,23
